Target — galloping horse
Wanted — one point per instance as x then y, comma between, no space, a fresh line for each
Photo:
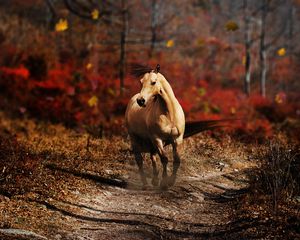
154,118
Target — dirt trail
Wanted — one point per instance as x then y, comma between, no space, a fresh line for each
109,203
197,207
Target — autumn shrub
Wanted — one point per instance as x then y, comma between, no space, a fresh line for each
278,177
17,166
78,97
65,95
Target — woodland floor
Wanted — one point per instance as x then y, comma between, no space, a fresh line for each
70,186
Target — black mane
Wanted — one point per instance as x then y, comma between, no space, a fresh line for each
139,70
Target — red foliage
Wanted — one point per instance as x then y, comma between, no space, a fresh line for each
63,95
18,72
259,101
282,70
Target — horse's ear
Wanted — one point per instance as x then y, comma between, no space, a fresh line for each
157,69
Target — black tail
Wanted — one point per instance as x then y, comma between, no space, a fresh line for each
194,127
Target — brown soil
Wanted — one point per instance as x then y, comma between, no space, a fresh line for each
62,184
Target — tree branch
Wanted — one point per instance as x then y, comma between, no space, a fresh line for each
51,7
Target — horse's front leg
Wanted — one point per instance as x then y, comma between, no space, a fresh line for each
164,161
139,161
154,168
176,163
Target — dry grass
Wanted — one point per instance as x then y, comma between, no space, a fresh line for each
279,176
273,197
28,147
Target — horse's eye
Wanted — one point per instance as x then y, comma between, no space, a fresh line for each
153,83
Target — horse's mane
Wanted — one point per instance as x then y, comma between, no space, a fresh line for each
139,70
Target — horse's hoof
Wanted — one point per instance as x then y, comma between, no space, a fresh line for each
155,182
164,185
144,181
171,181
145,187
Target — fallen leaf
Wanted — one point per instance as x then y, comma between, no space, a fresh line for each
170,43
231,26
93,101
281,52
95,14
62,25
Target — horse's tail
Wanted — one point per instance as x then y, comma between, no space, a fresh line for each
195,127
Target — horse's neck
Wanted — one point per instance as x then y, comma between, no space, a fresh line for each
170,100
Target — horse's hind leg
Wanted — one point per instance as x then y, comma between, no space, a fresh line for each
136,148
155,171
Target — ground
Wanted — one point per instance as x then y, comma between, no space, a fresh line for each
72,186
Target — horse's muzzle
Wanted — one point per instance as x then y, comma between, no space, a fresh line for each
141,102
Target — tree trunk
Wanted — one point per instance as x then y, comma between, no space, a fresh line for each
122,61
247,79
123,46
263,49
291,28
154,10
290,41
263,71
51,16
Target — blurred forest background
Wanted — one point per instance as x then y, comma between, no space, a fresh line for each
69,61
65,82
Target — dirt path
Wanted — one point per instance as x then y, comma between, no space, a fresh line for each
193,208
197,207
80,200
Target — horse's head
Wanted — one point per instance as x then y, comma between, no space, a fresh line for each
151,87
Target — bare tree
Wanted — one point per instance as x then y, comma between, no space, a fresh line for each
291,27
248,43
124,31
116,15
162,14
119,11
264,46
154,24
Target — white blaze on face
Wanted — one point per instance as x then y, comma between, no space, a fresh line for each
149,87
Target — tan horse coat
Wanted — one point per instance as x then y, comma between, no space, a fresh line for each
153,118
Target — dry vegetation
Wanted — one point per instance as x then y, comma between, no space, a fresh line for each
46,166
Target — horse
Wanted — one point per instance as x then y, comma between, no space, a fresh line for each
154,118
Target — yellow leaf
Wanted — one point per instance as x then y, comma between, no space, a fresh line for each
231,26
278,98
170,43
111,91
89,66
95,14
233,110
281,52
202,91
244,60
93,101
206,107
200,42
61,26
